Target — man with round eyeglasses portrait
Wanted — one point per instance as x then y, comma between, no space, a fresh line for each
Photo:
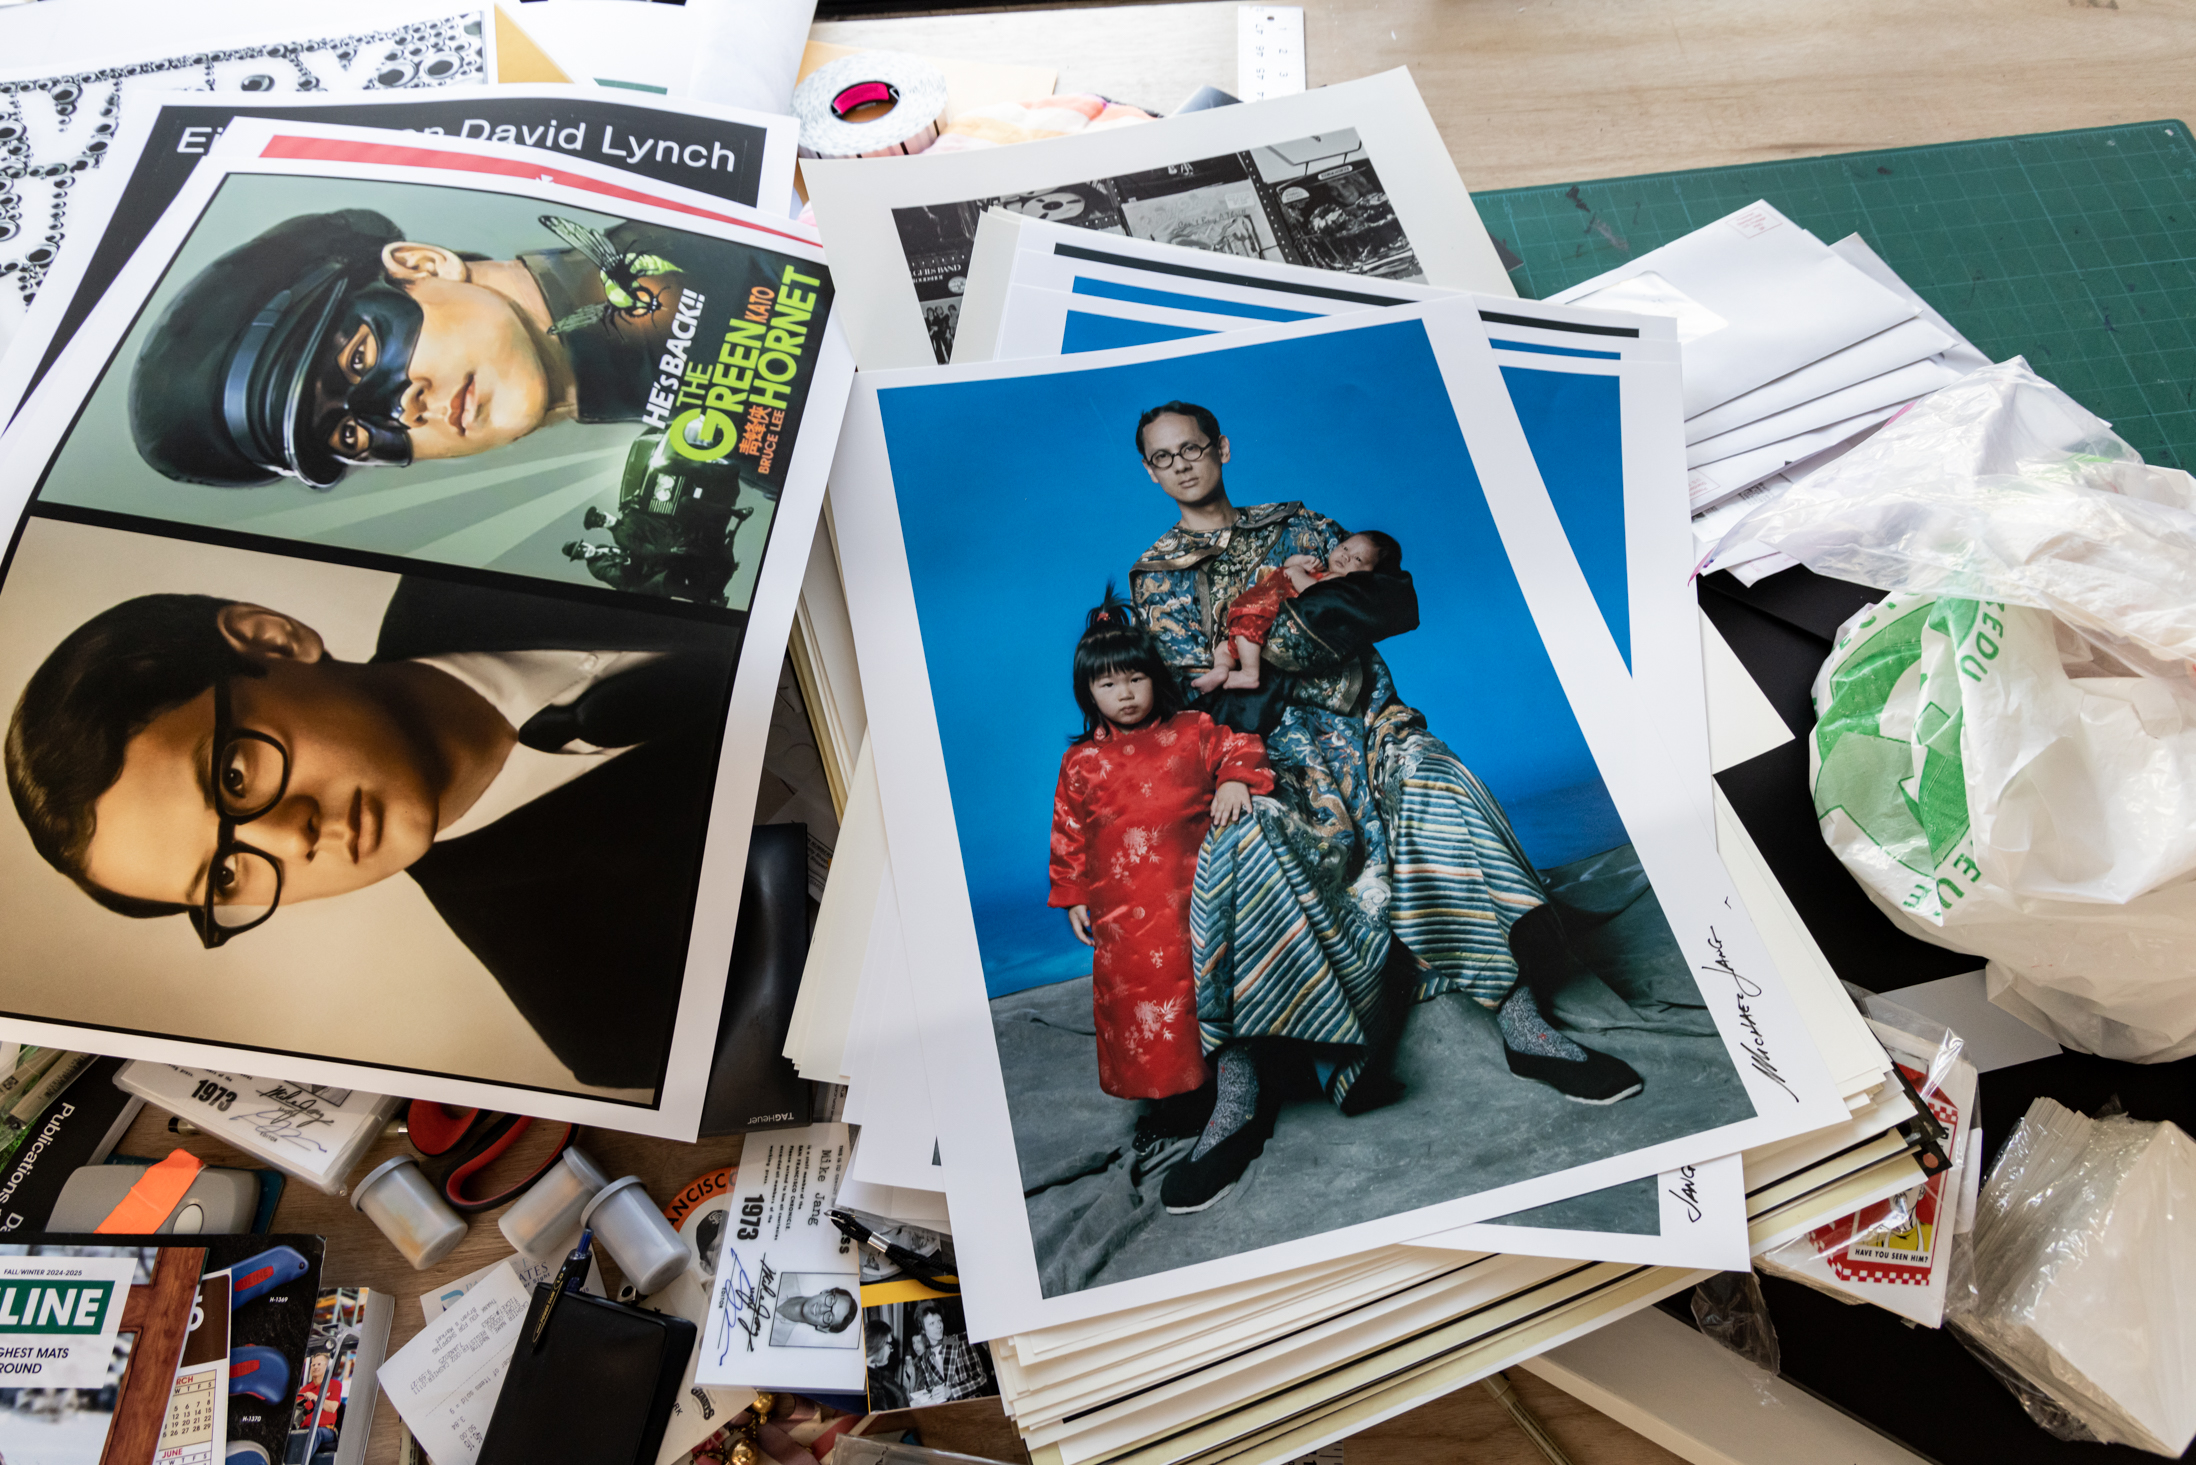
519,757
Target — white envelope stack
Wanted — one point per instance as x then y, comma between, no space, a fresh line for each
1794,350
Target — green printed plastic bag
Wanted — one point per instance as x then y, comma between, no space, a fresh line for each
2002,786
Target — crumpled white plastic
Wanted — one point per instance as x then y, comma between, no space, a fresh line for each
2080,1289
2005,752
2002,487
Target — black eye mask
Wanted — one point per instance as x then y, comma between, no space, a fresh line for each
376,399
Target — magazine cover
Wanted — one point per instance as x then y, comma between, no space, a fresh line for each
270,1286
737,156
377,623
1250,925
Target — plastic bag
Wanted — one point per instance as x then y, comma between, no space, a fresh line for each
1729,1308
2005,752
1895,1252
2079,1289
2000,487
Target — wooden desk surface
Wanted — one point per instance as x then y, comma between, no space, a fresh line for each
1534,92
1548,91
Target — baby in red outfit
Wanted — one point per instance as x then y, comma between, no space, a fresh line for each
1250,616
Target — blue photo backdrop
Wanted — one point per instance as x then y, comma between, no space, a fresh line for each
1021,497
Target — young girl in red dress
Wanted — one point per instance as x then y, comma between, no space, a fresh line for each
1137,792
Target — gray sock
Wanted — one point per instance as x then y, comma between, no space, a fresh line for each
1236,1101
1524,1030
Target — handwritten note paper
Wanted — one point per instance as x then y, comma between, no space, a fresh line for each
445,1381
785,1311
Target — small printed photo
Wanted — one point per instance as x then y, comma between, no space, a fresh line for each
815,1310
919,1354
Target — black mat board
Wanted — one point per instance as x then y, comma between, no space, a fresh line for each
1915,1384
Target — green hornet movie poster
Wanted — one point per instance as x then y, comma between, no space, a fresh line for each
459,376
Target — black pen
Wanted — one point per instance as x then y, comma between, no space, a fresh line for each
921,1267
570,1277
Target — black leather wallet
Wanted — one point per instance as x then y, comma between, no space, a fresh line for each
599,1389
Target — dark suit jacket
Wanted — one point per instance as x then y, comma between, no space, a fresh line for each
579,903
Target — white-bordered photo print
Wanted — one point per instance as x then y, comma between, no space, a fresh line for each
1315,888
397,603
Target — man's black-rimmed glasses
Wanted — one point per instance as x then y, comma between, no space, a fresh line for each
250,774
1190,453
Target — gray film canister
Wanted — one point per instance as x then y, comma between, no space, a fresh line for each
406,1207
643,1244
545,1222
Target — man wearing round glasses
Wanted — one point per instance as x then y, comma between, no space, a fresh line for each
540,768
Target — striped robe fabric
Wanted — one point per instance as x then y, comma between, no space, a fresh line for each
1461,879
1376,831
1280,949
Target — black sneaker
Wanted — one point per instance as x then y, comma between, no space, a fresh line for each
1596,1079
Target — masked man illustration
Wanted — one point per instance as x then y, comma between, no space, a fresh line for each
332,342
541,768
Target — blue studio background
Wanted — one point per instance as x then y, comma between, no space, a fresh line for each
1020,497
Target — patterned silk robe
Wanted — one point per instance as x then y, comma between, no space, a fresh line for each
1376,830
1128,817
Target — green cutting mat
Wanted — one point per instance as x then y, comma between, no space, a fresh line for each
2074,249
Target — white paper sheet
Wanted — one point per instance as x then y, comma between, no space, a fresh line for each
831,978
1755,297
1710,484
269,151
1036,319
897,288
444,1382
1891,389
1700,1222
1904,344
899,1137
530,1274
968,1091
749,51
1994,1038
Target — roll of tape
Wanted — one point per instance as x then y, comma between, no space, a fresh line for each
915,88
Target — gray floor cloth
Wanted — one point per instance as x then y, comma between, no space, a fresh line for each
1465,1123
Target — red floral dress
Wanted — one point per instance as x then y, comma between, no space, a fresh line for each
1128,817
1251,615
